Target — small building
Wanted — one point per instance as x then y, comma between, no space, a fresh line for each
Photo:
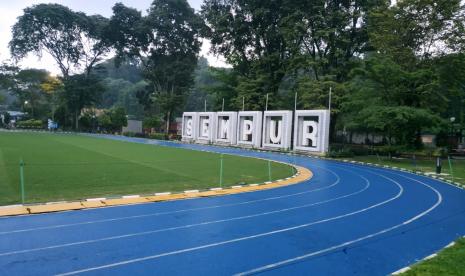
428,139
134,126
14,117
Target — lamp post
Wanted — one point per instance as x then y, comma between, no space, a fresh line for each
452,134
32,107
93,123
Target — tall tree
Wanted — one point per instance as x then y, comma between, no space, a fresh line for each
414,29
166,42
252,37
73,39
81,91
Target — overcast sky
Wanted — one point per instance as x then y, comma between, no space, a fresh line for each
11,9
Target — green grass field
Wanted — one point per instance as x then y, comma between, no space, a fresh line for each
70,167
449,261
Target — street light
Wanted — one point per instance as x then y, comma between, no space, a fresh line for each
32,108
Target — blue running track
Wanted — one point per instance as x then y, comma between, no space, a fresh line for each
348,219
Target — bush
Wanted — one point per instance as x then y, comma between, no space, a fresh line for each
129,134
140,135
343,152
30,124
390,150
158,136
175,137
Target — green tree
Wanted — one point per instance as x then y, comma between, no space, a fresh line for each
118,118
251,35
81,91
113,119
414,28
166,42
71,38
387,99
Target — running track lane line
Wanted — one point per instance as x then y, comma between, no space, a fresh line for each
178,211
189,225
288,261
401,190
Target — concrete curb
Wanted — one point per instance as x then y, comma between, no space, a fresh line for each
302,174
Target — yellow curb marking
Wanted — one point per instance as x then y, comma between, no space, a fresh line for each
301,175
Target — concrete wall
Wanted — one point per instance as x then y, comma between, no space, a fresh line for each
134,126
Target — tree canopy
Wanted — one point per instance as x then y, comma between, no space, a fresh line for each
394,69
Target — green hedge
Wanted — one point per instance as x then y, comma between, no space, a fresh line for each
35,124
158,136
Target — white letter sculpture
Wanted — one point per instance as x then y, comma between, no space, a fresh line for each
189,121
277,130
244,129
311,131
249,129
225,131
206,125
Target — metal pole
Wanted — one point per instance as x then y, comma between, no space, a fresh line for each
21,178
450,167
205,105
438,165
266,105
295,101
243,103
221,171
222,106
269,170
414,162
329,101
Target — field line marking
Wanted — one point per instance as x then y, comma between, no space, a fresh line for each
177,211
401,190
192,225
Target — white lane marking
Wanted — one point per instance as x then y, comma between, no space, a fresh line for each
177,211
131,196
187,226
96,199
401,190
450,245
402,270
191,225
430,256
285,262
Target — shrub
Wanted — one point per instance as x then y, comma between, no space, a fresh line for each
30,124
343,152
158,136
129,134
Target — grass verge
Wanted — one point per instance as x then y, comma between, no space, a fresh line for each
457,174
449,261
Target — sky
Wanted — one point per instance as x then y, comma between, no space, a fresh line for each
11,9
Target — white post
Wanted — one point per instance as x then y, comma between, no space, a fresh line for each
295,102
205,104
329,102
266,105
222,107
243,103
329,108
